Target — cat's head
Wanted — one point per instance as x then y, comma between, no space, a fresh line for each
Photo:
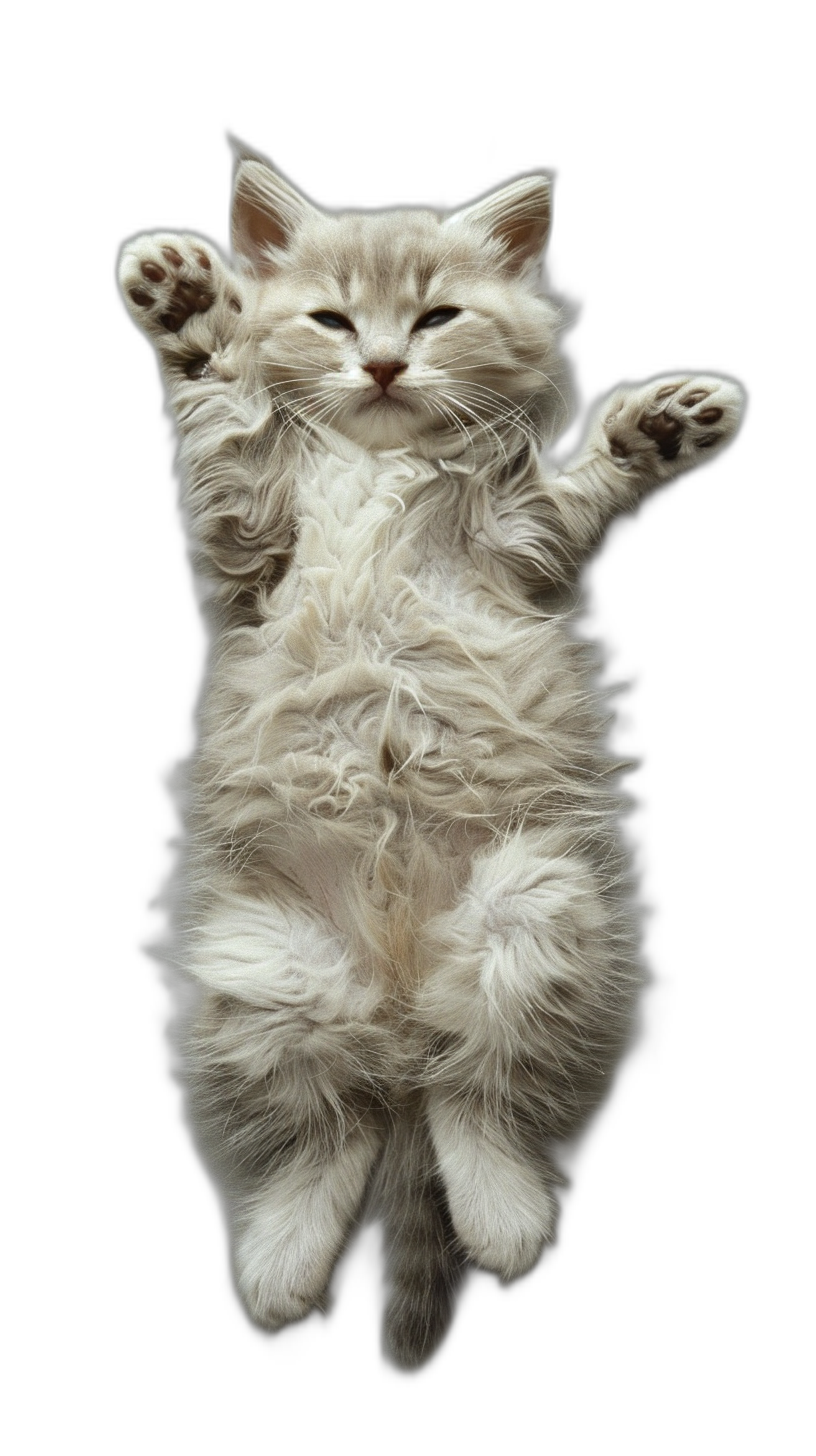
402,328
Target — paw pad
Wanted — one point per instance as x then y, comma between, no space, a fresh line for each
181,296
672,420
687,414
168,282
665,430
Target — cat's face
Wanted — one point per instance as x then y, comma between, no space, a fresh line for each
401,329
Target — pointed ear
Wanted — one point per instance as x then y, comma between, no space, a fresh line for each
517,217
266,213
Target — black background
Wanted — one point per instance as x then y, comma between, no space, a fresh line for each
656,236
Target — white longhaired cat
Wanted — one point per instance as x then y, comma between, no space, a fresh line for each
405,905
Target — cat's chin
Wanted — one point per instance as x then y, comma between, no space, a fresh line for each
385,425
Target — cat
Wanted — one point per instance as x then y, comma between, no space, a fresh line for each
406,909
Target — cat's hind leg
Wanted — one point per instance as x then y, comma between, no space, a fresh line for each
289,1233
286,1074
529,999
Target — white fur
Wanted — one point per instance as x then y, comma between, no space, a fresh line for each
501,1207
405,897
293,1229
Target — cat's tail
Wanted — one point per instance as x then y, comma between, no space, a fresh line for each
424,1260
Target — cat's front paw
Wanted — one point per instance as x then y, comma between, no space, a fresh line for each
166,279
671,424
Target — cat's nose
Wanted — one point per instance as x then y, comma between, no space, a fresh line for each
384,371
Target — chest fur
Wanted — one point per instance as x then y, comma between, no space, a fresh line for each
394,680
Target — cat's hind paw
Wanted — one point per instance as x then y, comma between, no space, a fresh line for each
283,1261
501,1205
504,1229
292,1230
671,424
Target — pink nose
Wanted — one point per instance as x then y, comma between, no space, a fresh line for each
384,371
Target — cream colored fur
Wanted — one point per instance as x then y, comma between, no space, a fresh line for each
405,897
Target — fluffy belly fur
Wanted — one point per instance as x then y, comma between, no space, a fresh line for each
391,717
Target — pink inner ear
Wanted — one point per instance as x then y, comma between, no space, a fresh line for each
523,228
266,213
254,230
525,236
517,216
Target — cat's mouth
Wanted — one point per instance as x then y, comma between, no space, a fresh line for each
383,399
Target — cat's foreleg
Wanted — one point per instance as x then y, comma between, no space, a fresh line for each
529,997
642,436
197,313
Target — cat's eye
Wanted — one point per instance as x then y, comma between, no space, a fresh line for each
435,317
331,320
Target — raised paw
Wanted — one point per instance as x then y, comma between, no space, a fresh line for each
166,279
669,425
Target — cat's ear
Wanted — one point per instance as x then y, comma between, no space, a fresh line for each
517,217
266,214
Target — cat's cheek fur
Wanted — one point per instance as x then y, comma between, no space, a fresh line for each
406,915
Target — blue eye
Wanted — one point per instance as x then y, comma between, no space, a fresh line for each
331,320
436,317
